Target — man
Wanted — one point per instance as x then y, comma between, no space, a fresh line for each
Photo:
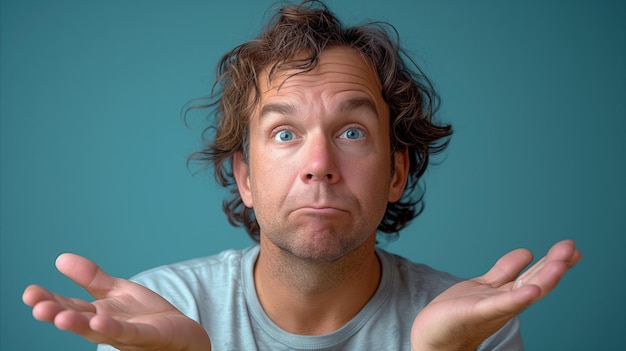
322,133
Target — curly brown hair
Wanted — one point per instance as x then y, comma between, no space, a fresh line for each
310,28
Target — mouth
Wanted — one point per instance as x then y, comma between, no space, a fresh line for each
321,210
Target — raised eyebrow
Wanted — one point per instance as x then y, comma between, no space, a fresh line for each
345,106
278,108
357,103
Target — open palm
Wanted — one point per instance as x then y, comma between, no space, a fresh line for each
125,315
467,313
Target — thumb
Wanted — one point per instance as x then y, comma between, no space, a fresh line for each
86,274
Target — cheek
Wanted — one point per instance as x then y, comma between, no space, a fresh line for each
370,180
270,179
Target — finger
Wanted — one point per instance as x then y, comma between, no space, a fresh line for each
547,272
119,332
46,311
73,321
546,278
562,251
86,274
34,294
507,268
79,323
508,304
47,305
104,329
568,251
576,257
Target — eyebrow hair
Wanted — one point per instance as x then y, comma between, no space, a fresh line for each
279,108
356,103
344,106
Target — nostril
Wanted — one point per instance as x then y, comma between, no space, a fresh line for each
328,176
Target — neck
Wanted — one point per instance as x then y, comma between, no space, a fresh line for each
313,298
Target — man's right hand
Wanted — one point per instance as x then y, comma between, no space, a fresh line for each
125,315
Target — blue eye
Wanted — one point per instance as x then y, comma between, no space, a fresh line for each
284,135
352,134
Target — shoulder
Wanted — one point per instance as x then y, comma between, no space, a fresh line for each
193,267
194,284
416,278
196,279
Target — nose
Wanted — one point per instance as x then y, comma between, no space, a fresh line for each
319,160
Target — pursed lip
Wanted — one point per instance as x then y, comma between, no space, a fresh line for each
320,209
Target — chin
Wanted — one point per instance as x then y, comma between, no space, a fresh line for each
324,251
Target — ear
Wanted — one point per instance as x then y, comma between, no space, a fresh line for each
400,175
242,177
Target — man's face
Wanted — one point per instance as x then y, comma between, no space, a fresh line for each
319,170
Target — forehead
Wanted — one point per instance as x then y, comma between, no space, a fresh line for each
340,72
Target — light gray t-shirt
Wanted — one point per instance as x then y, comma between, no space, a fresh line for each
218,292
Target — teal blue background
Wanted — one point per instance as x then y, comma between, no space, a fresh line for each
93,148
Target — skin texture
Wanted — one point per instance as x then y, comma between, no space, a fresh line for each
322,193
124,314
470,311
319,175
